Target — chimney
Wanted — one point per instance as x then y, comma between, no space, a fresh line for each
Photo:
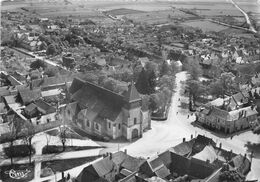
183,140
191,136
125,151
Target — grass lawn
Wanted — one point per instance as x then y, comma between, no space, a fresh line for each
58,149
63,165
18,151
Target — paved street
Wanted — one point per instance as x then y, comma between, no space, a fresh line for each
165,134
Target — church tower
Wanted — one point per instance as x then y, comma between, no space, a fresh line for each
132,122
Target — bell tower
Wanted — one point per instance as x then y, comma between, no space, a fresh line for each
132,113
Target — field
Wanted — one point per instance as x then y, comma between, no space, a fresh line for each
205,25
158,17
123,11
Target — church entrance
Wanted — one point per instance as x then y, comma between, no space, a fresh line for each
134,133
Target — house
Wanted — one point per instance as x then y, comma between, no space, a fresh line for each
227,121
183,162
26,96
106,113
110,167
154,167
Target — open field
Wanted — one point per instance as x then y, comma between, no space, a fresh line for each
158,17
252,5
205,25
123,11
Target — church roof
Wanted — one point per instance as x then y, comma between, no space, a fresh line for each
132,94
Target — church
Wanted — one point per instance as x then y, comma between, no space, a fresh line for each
101,112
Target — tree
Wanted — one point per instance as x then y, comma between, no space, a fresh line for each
223,85
142,84
48,139
164,68
50,72
38,64
145,102
216,89
152,81
166,81
51,50
63,137
195,89
194,69
137,71
91,77
30,132
12,138
110,84
154,102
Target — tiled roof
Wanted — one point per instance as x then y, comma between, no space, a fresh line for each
165,157
183,148
131,163
45,106
10,99
132,94
28,95
163,172
107,103
241,163
104,166
219,113
2,108
208,153
30,107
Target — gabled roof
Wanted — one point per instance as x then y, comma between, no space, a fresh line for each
106,103
107,165
45,106
104,166
241,163
163,172
30,107
28,95
132,94
184,148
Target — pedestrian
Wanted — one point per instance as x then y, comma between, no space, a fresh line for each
188,116
177,113
231,137
179,99
191,114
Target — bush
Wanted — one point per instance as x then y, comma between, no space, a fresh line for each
38,64
18,151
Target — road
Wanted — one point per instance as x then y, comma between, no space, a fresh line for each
166,134
251,27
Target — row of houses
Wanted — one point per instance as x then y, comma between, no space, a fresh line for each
196,160
231,114
37,101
